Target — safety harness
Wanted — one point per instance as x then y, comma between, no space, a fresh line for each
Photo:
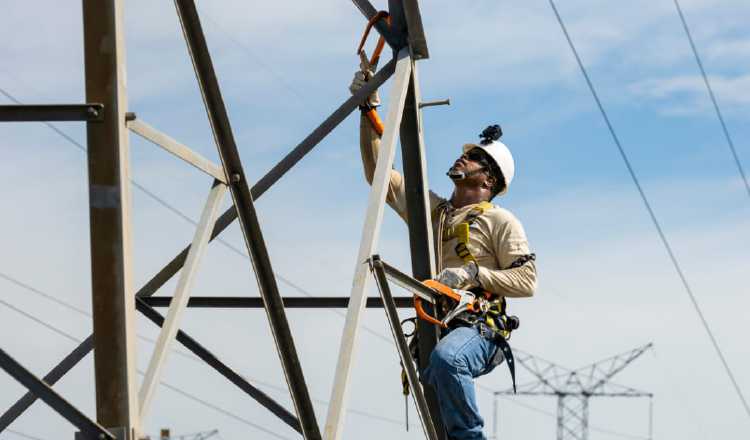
495,317
490,318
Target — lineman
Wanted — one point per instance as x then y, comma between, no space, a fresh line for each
494,257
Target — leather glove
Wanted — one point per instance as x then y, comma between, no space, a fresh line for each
364,74
464,277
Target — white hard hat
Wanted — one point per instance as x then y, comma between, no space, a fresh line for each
502,157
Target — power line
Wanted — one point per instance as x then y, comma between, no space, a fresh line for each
44,324
186,355
651,213
713,99
592,428
222,411
185,217
277,387
163,383
258,60
70,306
21,434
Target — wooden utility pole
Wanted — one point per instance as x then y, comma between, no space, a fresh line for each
109,210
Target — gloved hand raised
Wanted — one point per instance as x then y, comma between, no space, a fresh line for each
464,277
364,74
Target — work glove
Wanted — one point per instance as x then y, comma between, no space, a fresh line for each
464,277
364,74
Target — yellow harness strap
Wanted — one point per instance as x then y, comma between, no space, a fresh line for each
461,232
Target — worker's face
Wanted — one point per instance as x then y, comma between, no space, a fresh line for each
471,161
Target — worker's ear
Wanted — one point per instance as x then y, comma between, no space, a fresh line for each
489,182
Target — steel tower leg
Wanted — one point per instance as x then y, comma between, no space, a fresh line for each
109,212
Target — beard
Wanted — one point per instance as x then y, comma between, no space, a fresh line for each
454,174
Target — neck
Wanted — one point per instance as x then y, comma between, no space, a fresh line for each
464,196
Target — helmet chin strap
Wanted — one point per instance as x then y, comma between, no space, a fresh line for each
460,175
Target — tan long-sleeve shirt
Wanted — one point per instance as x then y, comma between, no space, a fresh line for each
496,238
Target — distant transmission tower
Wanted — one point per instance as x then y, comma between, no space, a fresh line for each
165,434
573,388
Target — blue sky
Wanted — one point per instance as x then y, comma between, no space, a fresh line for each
606,284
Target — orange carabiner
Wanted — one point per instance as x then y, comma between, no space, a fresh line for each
381,41
441,289
423,315
372,114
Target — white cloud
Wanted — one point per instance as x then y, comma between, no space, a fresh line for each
687,94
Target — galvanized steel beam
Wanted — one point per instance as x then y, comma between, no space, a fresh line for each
109,213
370,235
175,148
214,362
419,220
51,112
243,202
234,302
180,298
415,30
403,349
35,385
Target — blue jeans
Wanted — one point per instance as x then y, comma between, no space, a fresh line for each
457,359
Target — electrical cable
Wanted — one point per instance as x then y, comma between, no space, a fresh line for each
256,59
713,97
78,310
186,355
282,389
651,213
163,383
24,435
184,216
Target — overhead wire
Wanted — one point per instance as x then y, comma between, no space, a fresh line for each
69,306
167,385
715,103
24,435
181,214
266,384
651,213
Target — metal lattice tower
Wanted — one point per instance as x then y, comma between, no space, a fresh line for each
203,435
573,388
